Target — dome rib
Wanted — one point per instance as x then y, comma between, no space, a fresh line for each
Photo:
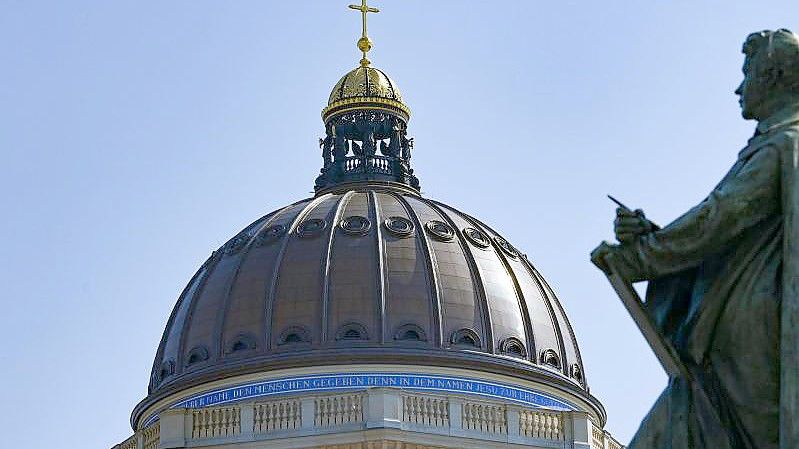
214,301
390,85
555,320
190,290
269,304
340,206
212,265
565,319
245,252
381,267
288,215
548,299
477,278
435,286
219,351
342,85
528,327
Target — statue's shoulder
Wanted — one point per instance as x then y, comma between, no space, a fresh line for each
786,137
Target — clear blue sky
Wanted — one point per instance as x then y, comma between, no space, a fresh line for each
136,137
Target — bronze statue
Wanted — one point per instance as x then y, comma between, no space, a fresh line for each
723,278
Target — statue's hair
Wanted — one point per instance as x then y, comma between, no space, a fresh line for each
775,54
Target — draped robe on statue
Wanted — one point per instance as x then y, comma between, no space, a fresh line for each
718,277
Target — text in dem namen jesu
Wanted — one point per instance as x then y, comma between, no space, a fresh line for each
333,382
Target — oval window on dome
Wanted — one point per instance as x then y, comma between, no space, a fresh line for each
477,238
356,225
399,226
236,244
506,247
271,234
440,230
311,228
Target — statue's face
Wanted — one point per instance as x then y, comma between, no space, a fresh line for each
752,94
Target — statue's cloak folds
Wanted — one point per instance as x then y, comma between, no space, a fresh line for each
724,292
789,320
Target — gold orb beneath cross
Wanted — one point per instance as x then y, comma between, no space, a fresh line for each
364,44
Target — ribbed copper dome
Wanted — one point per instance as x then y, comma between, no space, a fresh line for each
366,274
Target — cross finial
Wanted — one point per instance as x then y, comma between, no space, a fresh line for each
364,44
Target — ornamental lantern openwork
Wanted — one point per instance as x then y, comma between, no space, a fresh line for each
366,125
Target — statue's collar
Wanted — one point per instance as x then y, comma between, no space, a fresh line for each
783,117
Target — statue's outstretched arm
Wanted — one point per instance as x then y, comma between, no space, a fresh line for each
748,194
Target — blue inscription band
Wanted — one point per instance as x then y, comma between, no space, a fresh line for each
335,382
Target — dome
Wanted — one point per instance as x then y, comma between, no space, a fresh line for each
365,82
365,87
367,315
368,273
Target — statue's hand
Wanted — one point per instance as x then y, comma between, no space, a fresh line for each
631,224
598,255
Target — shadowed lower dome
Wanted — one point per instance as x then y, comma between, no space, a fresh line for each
367,274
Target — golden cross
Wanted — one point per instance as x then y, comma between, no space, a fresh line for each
364,44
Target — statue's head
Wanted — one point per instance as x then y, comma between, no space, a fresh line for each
771,73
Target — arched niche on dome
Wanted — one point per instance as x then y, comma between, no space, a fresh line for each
242,342
465,338
410,333
576,373
550,357
513,347
294,335
196,355
167,370
352,332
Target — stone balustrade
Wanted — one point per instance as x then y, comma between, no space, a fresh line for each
277,415
151,436
542,425
494,422
130,443
600,439
338,410
484,417
425,410
215,422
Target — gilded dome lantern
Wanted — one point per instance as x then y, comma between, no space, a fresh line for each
366,126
